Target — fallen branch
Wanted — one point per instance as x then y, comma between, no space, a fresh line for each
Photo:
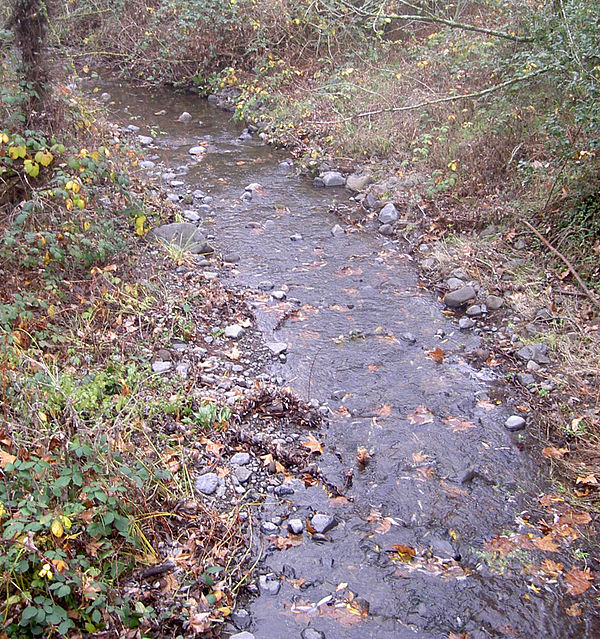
449,98
568,264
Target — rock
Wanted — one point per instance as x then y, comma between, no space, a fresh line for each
358,182
242,635
231,258
161,367
456,299
474,311
241,619
185,117
409,337
197,150
337,230
333,178
278,295
240,459
269,584
296,526
285,166
386,229
147,164
454,283
465,323
311,633
514,423
234,331
242,473
182,369
207,483
520,244
277,348
460,274
388,214
198,194
536,352
283,490
145,140
176,184
191,216
296,237
269,528
533,366
254,186
322,523
527,379
493,302
370,201
489,231
266,285
105,97
183,235
173,197
428,263
318,182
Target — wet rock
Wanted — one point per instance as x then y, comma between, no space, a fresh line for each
277,348
197,150
536,352
282,491
185,117
145,140
207,483
147,164
191,216
311,633
465,323
337,230
474,311
269,584
458,298
323,523
386,229
240,459
161,367
183,235
278,295
296,526
454,283
234,331
493,302
358,182
388,214
514,423
241,619
333,178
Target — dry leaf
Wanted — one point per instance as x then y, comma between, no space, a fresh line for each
551,568
500,546
212,447
453,491
554,453
385,410
578,581
574,611
421,457
313,445
363,456
6,458
427,472
546,543
458,425
421,415
199,623
436,354
576,518
404,553
283,543
372,368
589,480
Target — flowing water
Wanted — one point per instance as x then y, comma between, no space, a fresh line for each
433,482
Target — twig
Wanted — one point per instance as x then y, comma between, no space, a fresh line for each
568,264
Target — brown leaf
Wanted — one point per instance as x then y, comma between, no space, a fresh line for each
576,518
421,415
421,457
551,568
589,480
578,581
199,623
385,410
313,445
404,553
6,458
554,453
283,543
546,543
574,611
458,425
452,491
372,368
500,546
436,354
427,472
363,457
486,405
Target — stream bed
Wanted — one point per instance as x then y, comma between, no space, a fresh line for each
404,554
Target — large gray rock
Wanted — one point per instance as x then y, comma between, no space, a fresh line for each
322,523
358,182
145,140
536,352
514,423
388,214
333,178
185,117
182,235
207,483
458,298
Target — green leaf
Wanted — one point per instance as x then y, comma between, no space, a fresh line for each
29,613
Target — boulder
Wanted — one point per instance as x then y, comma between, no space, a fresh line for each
183,235
333,178
358,183
388,214
458,298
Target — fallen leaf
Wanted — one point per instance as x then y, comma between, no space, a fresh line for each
421,457
589,480
57,529
283,543
372,368
199,623
421,415
500,546
453,491
212,447
6,458
458,425
551,568
427,472
313,445
546,543
385,410
575,518
404,553
436,354
578,581
486,405
363,457
554,453
574,611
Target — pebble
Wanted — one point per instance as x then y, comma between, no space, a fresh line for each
282,491
493,302
311,633
333,178
337,230
386,229
185,117
207,483
388,214
269,584
277,348
465,323
241,620
527,379
242,473
240,459
474,311
456,299
161,367
514,423
243,635
296,526
278,295
266,285
536,352
322,523
234,331
409,337
269,528
454,283
197,150
231,258
191,216
296,237
147,164
145,140
254,186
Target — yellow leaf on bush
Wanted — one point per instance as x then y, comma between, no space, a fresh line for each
57,528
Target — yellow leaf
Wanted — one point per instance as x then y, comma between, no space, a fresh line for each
43,417
15,152
57,528
140,224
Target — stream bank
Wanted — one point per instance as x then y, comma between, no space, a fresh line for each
434,520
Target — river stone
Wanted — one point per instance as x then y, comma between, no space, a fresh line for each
145,140
386,229
161,367
243,635
254,186
358,182
456,299
234,331
536,352
277,348
493,302
337,230
184,235
322,523
527,379
269,584
242,473
269,528
311,633
240,459
474,311
278,295
105,97
454,283
266,285
191,216
514,423
333,178
207,483
295,526
231,258
185,117
465,323
241,620
147,164
388,214
197,150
